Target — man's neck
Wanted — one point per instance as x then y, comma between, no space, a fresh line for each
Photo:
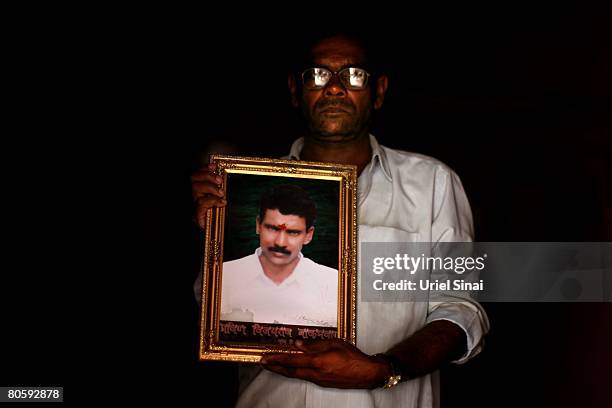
277,273
357,151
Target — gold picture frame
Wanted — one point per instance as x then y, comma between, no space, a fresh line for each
246,341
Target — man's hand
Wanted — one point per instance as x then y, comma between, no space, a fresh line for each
206,192
335,363
330,363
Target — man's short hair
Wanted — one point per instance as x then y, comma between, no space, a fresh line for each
301,54
288,199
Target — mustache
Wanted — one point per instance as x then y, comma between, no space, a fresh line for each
280,250
334,103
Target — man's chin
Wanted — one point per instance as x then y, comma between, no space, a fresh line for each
334,135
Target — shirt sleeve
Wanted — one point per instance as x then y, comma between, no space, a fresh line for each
452,222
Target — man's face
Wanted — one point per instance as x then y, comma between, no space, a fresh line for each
281,237
334,113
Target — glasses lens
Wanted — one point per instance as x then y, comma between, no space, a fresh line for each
316,77
352,78
356,78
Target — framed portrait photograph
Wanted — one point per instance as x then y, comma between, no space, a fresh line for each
279,259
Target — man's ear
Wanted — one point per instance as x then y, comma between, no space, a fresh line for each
291,82
381,89
309,234
257,225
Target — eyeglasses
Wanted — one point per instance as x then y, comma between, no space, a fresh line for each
351,78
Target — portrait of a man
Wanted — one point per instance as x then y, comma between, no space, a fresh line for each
277,283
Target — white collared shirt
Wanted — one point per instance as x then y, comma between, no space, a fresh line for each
308,296
402,197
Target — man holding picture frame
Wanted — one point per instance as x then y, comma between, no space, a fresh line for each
403,197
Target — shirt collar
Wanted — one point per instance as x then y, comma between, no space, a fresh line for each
379,158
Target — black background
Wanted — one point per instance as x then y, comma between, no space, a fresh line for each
113,109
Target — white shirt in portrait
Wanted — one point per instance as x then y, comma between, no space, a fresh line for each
307,297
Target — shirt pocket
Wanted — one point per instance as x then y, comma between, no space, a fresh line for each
380,242
384,316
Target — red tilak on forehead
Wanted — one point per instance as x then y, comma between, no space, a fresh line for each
282,227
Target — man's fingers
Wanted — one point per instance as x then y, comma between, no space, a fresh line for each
206,176
307,374
206,191
291,372
206,173
287,360
204,204
200,188
316,346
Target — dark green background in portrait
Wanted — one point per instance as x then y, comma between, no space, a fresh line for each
243,195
